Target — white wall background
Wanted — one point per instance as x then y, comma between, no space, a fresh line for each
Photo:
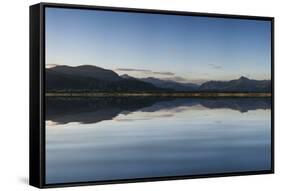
14,63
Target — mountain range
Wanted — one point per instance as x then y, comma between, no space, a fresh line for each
92,79
88,78
242,84
171,84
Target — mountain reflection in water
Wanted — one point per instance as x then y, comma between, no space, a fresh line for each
62,110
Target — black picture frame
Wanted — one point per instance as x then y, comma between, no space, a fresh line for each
37,94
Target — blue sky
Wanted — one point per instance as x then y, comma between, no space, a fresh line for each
183,48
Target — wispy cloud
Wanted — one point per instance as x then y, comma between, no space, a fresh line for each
132,70
214,66
165,73
144,71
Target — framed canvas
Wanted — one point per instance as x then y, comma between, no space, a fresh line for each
123,95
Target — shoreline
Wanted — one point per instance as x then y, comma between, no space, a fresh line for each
185,94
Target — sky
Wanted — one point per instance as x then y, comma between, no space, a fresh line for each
180,48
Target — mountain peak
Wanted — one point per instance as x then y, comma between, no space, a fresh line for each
243,78
126,76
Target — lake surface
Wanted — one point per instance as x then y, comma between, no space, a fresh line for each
94,139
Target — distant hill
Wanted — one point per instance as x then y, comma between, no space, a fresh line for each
126,76
171,84
242,84
87,71
91,79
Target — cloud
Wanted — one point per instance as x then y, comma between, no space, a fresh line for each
144,71
132,70
215,66
165,73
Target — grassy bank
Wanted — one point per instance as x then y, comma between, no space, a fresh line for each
176,94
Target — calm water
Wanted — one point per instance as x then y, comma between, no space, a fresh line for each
121,138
